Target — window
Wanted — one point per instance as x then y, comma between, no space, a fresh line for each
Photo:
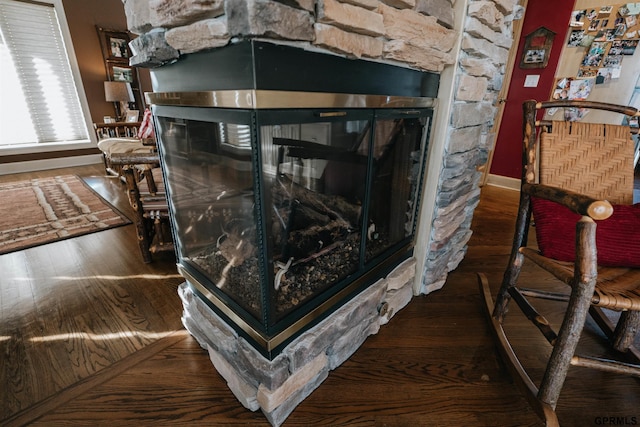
39,101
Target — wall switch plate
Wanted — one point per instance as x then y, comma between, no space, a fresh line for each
532,80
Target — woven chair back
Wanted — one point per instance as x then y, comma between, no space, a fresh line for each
590,158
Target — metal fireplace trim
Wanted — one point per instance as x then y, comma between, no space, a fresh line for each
269,99
269,344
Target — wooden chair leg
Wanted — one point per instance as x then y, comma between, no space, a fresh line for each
158,232
584,284
151,183
142,232
143,242
565,346
611,330
509,281
626,330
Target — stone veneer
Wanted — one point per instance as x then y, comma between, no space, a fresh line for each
276,387
468,41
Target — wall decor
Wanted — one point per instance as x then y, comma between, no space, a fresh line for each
115,44
537,47
116,53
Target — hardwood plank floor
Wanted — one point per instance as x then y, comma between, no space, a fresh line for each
90,335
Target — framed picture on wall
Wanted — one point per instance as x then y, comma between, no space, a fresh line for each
116,54
537,47
121,73
115,44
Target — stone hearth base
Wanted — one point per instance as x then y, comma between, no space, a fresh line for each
276,387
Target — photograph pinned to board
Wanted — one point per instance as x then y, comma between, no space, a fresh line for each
575,38
616,48
605,35
577,18
628,47
633,8
605,11
620,30
587,40
593,57
587,72
605,75
611,61
630,20
561,88
573,114
580,89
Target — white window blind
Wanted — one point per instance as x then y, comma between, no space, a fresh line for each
38,98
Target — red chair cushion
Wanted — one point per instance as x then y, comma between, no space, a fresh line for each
617,238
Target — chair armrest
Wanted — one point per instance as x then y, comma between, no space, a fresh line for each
135,159
578,203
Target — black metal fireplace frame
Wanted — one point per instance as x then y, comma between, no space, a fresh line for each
247,84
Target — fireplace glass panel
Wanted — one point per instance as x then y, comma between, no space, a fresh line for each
317,174
396,168
208,171
279,214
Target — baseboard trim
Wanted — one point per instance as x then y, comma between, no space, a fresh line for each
45,164
504,182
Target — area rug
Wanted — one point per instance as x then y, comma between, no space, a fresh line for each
46,210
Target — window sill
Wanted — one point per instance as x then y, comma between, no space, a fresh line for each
11,150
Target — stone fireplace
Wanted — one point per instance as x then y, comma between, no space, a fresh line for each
463,45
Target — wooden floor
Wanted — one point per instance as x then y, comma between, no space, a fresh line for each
91,336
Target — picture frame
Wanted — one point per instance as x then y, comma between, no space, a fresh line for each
537,48
121,73
115,44
132,116
593,57
575,38
116,53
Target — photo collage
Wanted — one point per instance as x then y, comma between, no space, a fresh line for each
607,34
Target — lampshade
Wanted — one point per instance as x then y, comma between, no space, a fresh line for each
118,91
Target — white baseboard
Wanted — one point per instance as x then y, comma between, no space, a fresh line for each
38,165
504,182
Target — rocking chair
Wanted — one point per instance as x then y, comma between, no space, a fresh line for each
146,192
577,177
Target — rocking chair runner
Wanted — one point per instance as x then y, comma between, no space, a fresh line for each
586,168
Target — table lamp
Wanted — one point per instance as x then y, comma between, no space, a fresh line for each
121,94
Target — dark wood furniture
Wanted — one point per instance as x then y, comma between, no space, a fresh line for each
146,193
121,138
592,287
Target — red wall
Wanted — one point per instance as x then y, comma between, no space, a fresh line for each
539,13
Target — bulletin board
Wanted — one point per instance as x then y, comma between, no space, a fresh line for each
606,35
